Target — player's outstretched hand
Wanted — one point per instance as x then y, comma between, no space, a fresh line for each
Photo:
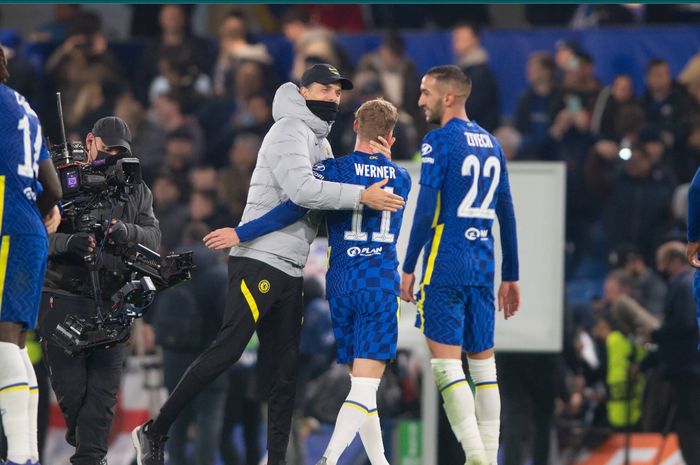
692,254
377,198
52,220
223,238
408,281
509,298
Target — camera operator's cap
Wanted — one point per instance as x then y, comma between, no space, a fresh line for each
323,73
113,131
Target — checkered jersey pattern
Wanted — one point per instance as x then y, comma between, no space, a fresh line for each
23,261
362,243
366,325
466,165
22,146
457,315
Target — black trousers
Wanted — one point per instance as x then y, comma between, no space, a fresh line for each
263,299
527,385
687,393
86,385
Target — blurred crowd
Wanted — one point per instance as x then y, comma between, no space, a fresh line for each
198,108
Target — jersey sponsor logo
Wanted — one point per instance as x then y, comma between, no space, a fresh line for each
429,160
373,171
473,234
318,175
319,167
425,149
30,194
264,286
478,140
364,251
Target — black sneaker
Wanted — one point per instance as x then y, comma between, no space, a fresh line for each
150,449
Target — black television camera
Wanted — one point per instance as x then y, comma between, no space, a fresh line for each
150,273
88,187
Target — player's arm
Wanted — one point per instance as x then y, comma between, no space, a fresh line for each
509,291
51,190
279,217
432,176
291,168
694,221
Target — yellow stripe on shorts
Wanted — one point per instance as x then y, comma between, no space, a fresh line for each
4,256
251,301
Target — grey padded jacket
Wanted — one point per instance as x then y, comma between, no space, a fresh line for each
295,143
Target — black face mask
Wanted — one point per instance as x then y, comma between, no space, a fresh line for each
102,155
327,111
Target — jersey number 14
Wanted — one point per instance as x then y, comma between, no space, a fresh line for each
29,168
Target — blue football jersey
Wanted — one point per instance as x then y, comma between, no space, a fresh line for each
22,146
466,165
362,242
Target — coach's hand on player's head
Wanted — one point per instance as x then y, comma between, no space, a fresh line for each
383,146
376,198
223,238
509,298
81,244
408,281
692,253
52,220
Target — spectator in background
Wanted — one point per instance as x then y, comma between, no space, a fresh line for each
178,70
606,155
483,103
537,108
235,179
23,77
617,327
172,113
678,346
638,210
56,30
180,157
309,40
235,47
398,75
246,109
690,77
203,177
169,209
186,319
206,208
666,103
646,287
510,139
174,37
607,107
82,68
147,138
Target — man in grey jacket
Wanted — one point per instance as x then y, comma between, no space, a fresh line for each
265,275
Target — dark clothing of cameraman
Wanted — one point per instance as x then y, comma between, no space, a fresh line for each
86,385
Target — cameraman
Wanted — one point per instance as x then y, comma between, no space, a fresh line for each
86,385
